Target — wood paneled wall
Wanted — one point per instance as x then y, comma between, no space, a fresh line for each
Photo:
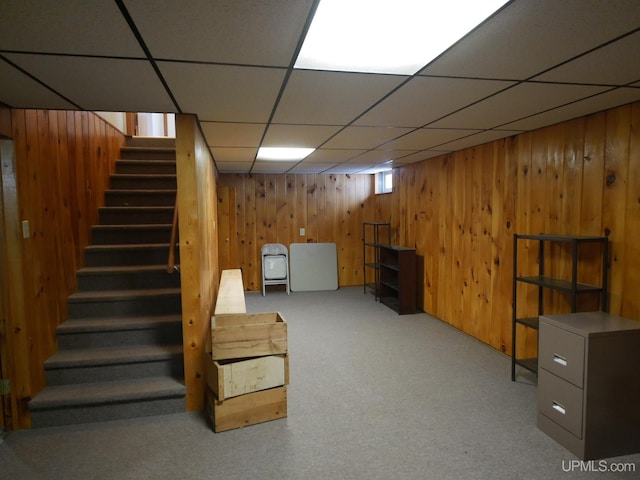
255,209
54,172
461,210
197,216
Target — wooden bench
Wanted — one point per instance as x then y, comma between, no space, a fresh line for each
231,293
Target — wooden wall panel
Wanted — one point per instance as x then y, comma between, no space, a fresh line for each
578,177
200,273
60,165
273,208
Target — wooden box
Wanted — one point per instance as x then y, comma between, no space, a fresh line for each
248,335
230,378
245,410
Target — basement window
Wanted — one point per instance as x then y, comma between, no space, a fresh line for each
384,182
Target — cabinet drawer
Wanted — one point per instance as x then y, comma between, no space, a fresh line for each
562,353
560,401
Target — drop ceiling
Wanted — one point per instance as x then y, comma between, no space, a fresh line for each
230,62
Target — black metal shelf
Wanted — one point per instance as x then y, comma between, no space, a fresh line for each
572,287
371,242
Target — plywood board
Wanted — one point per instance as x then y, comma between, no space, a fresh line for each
313,266
231,293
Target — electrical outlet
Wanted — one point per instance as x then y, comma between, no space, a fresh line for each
302,232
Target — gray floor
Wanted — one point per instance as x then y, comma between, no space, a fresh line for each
373,395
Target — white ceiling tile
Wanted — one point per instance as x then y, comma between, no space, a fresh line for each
419,156
610,99
606,65
379,156
364,137
513,104
332,155
21,91
426,138
227,154
298,135
478,139
66,26
233,167
331,98
425,99
224,93
527,37
348,169
106,84
272,167
224,31
312,167
220,134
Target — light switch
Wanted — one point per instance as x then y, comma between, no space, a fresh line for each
25,229
302,232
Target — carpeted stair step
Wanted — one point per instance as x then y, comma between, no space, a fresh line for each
119,331
84,365
130,234
132,181
153,142
163,167
147,153
128,303
95,402
126,277
130,215
131,254
140,198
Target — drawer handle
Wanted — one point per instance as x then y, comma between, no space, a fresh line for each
559,408
559,360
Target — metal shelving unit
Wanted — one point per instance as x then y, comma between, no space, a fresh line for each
570,286
371,241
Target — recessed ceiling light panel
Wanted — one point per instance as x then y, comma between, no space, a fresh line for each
283,153
387,36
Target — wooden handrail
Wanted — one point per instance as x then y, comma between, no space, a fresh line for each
171,263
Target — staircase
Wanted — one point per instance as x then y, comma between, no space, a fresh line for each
120,350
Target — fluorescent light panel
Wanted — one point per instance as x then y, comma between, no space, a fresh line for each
387,36
283,153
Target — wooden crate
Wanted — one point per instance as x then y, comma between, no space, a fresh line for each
248,335
245,410
230,378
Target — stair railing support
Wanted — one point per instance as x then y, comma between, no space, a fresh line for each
171,263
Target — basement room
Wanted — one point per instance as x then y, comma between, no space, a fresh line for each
319,239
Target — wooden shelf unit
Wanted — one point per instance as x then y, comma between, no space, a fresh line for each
571,286
397,288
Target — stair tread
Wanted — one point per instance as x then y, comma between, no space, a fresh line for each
107,270
132,226
128,148
129,208
92,325
107,392
145,162
117,295
79,357
139,175
128,246
140,191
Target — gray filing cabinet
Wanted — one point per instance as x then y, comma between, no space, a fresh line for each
589,383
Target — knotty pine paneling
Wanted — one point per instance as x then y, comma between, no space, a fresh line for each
272,208
60,168
461,210
200,273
